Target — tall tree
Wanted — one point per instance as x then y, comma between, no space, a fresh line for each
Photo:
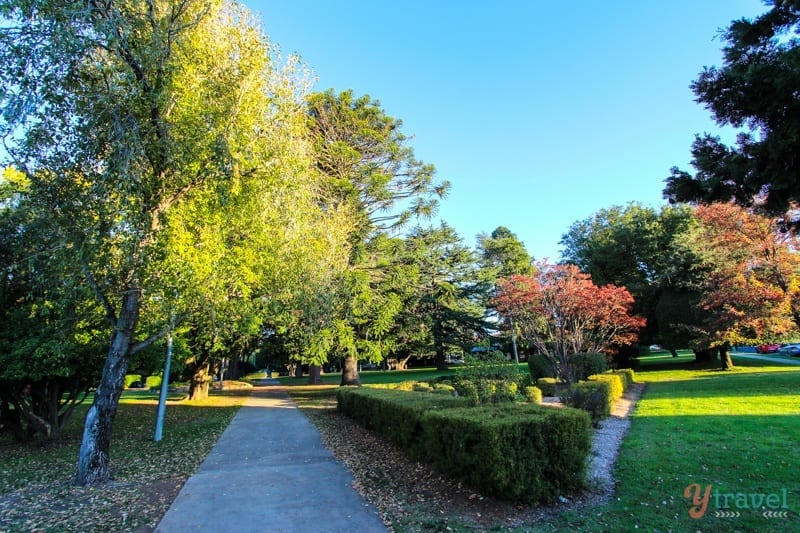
372,171
756,89
636,247
560,311
119,113
752,289
505,253
449,293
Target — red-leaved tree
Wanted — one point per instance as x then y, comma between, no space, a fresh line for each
560,312
752,290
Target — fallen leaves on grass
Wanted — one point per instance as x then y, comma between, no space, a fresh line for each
37,494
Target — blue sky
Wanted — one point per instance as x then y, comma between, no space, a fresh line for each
540,113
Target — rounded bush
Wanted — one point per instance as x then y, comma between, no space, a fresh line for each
468,390
533,395
547,386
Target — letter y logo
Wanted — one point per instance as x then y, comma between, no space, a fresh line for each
699,504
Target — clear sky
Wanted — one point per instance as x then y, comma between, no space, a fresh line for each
539,112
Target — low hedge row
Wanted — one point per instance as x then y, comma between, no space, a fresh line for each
594,397
513,451
598,394
615,382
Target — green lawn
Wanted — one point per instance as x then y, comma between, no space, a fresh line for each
735,431
36,491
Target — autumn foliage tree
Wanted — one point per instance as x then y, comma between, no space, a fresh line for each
560,311
752,290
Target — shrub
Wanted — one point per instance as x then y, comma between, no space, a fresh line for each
468,390
392,413
628,376
442,388
422,386
533,394
615,382
540,366
405,385
132,379
547,386
512,451
593,397
587,364
152,382
505,391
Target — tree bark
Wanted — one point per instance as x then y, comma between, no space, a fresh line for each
725,357
198,388
314,375
93,457
350,372
298,370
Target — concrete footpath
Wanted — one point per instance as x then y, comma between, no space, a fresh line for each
270,471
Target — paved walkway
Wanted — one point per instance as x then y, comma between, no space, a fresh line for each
269,471
766,358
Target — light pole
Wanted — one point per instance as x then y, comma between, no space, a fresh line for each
514,340
162,399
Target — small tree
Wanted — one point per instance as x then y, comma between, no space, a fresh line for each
560,311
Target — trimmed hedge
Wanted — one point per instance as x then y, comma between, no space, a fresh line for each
547,386
130,379
533,394
594,397
586,364
615,381
628,377
540,366
381,411
513,451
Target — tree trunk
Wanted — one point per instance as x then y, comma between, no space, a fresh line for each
350,372
704,356
402,363
725,357
314,375
298,370
198,388
674,352
93,457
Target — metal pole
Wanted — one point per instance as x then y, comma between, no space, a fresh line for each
514,340
162,400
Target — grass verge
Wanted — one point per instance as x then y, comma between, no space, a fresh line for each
36,491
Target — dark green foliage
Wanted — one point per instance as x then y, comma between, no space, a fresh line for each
615,382
533,394
547,386
393,414
586,364
755,89
512,451
540,366
594,397
467,389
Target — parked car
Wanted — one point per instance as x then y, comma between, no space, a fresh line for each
768,348
790,349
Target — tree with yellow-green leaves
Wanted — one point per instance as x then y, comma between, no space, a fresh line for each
164,143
